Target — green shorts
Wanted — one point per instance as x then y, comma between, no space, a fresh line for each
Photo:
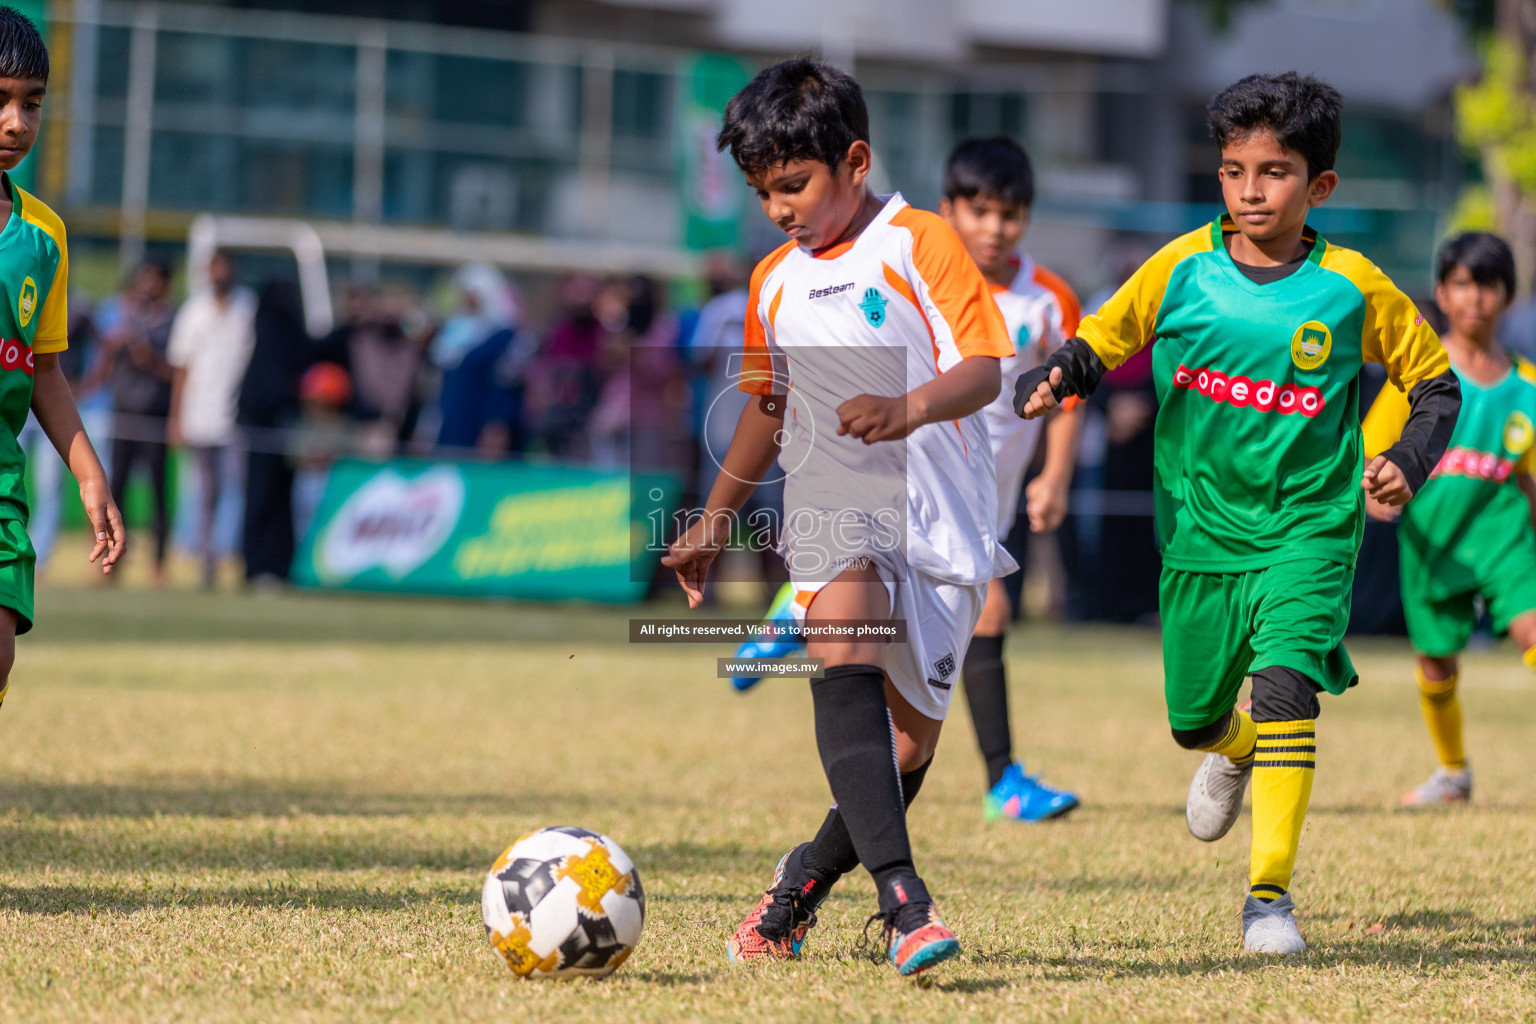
1220,627
1440,626
17,560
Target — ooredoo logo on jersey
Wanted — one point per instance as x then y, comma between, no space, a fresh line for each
1245,392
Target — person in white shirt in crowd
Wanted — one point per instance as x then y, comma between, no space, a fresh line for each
210,347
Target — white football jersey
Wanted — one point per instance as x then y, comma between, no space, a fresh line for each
881,315
1041,312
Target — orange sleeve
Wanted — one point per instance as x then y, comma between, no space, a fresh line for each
1071,313
1066,298
956,289
757,361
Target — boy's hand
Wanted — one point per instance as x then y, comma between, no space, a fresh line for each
691,555
1384,482
1381,513
874,418
1045,500
106,523
1032,403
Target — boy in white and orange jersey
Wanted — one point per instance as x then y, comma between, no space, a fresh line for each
989,187
873,343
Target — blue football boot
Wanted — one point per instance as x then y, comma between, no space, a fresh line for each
786,641
1021,797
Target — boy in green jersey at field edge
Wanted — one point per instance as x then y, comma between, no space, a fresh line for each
1261,329
1469,534
34,282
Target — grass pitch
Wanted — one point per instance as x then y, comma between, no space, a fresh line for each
238,808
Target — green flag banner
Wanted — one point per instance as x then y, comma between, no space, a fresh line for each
495,530
712,192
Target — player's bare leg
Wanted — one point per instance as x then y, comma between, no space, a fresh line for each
7,649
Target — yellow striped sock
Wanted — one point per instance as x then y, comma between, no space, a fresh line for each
1237,744
1283,762
1442,713
1530,659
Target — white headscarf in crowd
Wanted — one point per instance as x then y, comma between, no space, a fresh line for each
496,310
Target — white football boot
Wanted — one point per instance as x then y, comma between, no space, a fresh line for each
1216,797
1271,927
1443,787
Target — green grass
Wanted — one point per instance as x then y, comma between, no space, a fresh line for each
231,808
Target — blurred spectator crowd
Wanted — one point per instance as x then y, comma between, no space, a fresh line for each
259,409
614,374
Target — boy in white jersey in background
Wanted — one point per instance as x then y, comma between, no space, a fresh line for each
873,345
989,187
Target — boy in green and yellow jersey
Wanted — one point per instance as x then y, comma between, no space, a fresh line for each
1469,534
1261,329
34,316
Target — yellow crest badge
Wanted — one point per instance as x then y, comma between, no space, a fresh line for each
26,302
1519,434
1311,344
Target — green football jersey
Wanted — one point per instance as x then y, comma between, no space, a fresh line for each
34,318
1470,514
1257,441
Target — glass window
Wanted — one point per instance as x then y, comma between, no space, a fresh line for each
642,105
986,113
112,62
195,170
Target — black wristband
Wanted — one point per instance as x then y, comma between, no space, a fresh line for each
1029,381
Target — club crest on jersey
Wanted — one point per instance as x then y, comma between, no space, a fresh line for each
1311,344
873,304
1519,434
26,302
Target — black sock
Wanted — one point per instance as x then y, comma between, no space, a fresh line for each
858,753
986,691
831,854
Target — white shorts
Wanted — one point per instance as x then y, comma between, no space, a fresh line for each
940,618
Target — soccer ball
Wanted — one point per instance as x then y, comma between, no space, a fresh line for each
563,903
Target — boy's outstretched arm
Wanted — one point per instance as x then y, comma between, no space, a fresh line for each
959,391
753,448
55,410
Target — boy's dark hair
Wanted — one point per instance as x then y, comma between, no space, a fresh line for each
22,53
996,167
1302,113
800,109
1486,257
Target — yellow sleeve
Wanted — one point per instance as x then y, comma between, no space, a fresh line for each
1395,334
1383,424
53,319
1526,463
1128,320
52,333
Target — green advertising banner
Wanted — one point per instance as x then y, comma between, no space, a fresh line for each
543,533
712,191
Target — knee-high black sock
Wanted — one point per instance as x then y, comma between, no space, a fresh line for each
831,855
986,691
858,753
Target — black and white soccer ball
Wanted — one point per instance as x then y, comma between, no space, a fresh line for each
563,903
